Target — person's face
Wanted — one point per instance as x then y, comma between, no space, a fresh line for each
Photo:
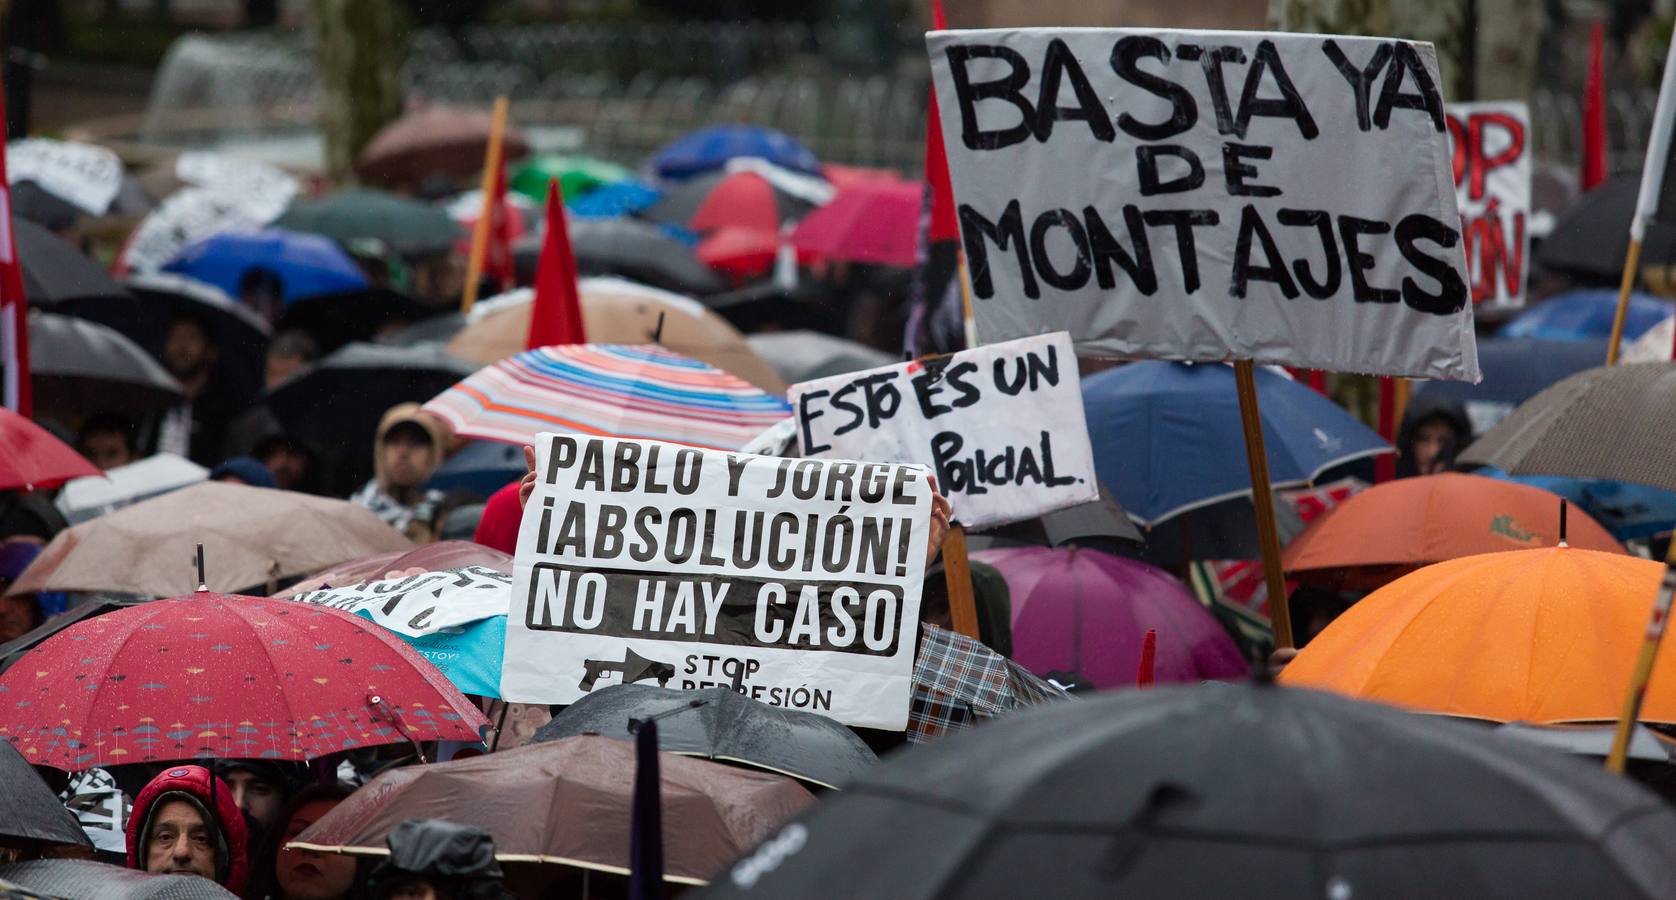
305,873
186,349
280,368
288,467
17,617
260,799
180,842
406,459
1433,443
106,449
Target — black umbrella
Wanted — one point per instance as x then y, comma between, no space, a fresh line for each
1096,523
14,649
1591,236
34,814
336,405
337,319
404,225
725,725
80,366
43,207
631,248
435,330
1248,790
54,271
1225,530
85,879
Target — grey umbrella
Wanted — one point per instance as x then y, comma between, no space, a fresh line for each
628,247
808,355
34,815
85,367
85,879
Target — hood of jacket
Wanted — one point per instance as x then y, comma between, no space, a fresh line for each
212,796
409,412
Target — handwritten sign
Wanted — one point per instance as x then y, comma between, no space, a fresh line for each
1492,165
261,190
796,582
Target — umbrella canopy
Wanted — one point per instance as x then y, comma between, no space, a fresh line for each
80,366
481,467
1539,636
434,142
345,317
615,311
430,557
1100,522
721,724
93,496
54,271
1610,423
250,535
808,355
1394,528
1586,315
1515,370
34,814
744,199
1086,612
708,149
628,248
739,252
1154,794
576,175
405,226
244,677
871,221
624,198
143,313
17,648
89,880
1628,511
305,264
642,392
567,802
1167,437
31,458
1590,238
1656,344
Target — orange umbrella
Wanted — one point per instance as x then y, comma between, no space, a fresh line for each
1539,636
1397,527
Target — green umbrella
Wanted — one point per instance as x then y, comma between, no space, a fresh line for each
405,226
577,175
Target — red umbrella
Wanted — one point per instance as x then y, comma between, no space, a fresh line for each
738,252
30,457
869,221
221,675
746,200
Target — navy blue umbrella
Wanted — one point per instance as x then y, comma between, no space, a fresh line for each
1515,370
1627,510
481,467
306,264
1584,314
708,149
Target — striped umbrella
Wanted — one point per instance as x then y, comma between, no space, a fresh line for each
610,389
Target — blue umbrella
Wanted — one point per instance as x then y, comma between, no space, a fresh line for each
1629,511
1515,370
1585,314
306,264
709,149
482,467
607,201
1167,436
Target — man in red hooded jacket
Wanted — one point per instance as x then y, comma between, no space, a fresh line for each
186,822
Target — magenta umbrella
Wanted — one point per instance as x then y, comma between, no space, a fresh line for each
1084,611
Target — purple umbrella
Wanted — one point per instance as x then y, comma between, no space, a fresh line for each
1084,611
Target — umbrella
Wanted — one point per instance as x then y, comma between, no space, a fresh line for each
1584,315
1158,793
34,814
1610,423
1167,437
1541,636
808,355
643,392
629,248
224,676
54,271
1394,528
958,682
708,149
85,879
405,226
743,199
250,536
1590,238
624,198
344,317
337,403
143,313
481,467
739,252
1628,511
17,648
721,724
615,311
577,176
434,142
1098,522
193,214
874,222
430,557
1086,612
82,366
30,457
34,203
1645,744
1515,370
95,495
567,802
305,264
1654,345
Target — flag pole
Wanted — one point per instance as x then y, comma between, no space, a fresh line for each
1643,671
1647,201
485,220
1262,498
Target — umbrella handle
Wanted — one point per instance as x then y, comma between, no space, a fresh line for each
378,704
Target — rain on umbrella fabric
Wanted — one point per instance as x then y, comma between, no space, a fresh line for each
223,676
625,391
34,814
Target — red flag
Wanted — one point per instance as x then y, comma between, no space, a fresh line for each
1594,112
944,224
497,262
1385,464
14,307
557,314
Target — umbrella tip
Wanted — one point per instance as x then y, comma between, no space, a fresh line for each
1562,522
203,583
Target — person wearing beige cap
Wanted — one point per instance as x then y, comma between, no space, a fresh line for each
409,447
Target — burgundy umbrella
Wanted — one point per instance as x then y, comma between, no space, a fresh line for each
1082,611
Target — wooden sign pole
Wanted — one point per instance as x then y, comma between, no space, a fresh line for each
957,574
486,219
1262,497
1643,671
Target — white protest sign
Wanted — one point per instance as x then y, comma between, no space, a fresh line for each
263,190
86,176
1001,426
1208,195
189,215
1492,166
422,604
795,582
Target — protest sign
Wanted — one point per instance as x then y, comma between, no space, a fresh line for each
795,582
1492,164
1001,426
426,603
263,191
1205,195
86,176
189,215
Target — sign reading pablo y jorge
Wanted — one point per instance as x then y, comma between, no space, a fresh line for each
1209,195
796,582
